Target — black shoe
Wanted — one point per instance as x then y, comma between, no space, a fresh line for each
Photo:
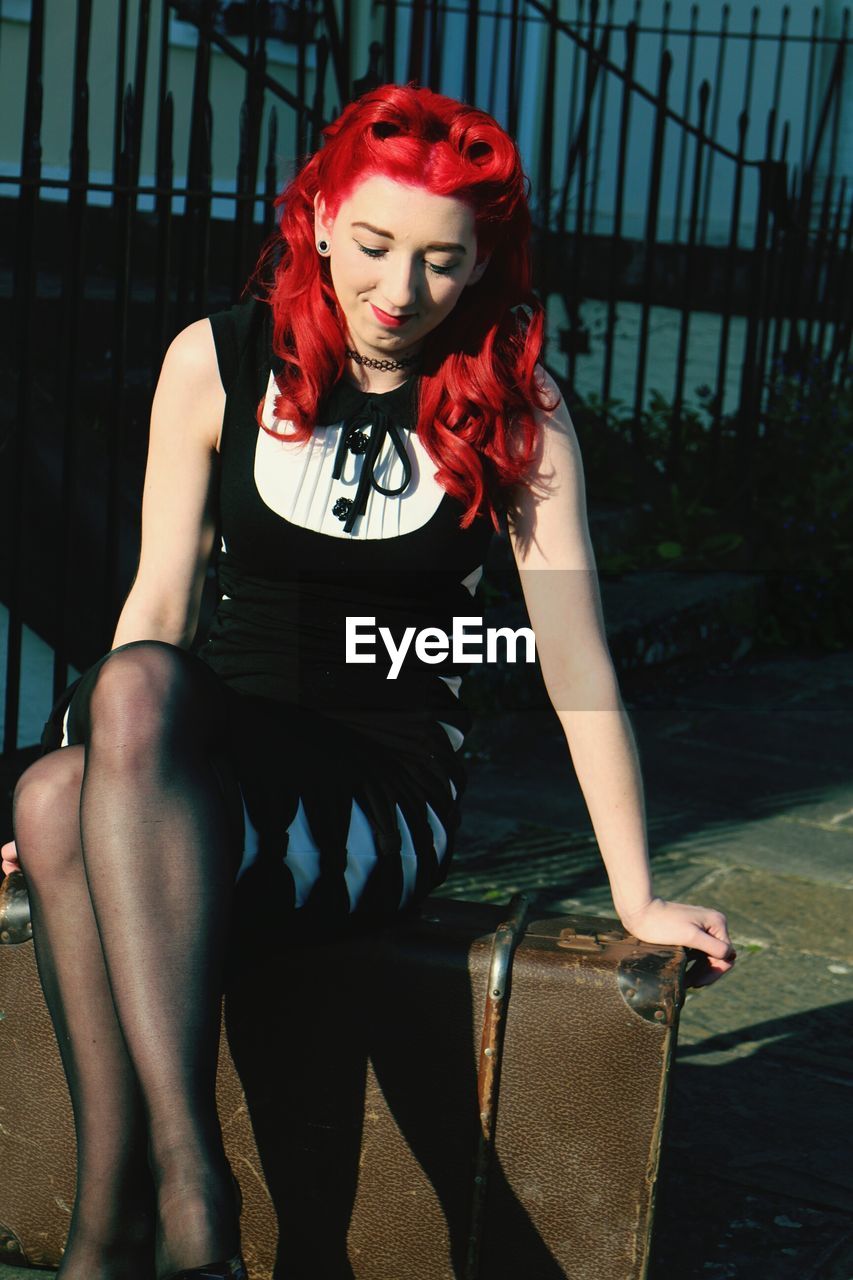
232,1269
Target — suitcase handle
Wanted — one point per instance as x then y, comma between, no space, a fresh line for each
506,939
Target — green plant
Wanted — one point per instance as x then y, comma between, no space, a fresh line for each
804,501
797,529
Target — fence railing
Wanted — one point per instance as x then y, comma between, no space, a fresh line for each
104,277
790,275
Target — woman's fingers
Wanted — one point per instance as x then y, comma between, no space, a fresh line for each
9,854
711,936
707,969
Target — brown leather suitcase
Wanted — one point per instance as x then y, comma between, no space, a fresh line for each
467,1093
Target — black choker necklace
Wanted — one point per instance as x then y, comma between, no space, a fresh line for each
381,364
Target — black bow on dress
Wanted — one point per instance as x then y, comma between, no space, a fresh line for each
389,413
354,439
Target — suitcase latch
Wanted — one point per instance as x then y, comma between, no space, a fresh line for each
574,941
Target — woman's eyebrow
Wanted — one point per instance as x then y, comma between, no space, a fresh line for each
459,248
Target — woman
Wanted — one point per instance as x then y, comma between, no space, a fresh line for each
354,436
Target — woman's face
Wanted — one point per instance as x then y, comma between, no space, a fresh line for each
413,258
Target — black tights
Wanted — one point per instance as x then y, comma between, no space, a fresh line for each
130,842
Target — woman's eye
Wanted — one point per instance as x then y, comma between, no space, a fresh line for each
375,253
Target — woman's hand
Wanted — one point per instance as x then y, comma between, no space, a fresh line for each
679,923
9,854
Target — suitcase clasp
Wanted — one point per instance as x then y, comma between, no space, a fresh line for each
574,941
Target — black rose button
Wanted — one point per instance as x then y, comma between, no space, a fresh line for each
341,509
357,441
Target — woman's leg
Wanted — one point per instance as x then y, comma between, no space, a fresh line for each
161,842
112,1224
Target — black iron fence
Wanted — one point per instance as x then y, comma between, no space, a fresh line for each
103,277
125,279
789,284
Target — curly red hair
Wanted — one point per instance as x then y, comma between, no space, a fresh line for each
478,388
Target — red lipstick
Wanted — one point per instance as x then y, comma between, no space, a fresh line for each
392,322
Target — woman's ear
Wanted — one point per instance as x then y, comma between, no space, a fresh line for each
322,229
478,270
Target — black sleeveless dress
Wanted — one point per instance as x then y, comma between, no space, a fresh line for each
350,772
351,780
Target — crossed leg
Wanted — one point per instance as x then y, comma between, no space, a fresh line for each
130,842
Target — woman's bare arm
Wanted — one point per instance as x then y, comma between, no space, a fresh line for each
549,535
178,503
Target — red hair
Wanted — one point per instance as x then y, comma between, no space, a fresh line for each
477,385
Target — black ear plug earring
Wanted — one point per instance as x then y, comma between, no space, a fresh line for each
322,246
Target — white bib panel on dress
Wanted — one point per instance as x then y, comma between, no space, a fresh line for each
295,480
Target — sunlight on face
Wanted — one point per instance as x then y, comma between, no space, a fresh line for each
417,267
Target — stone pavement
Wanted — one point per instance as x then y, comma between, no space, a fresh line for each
748,776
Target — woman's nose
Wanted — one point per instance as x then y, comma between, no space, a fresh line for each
401,286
